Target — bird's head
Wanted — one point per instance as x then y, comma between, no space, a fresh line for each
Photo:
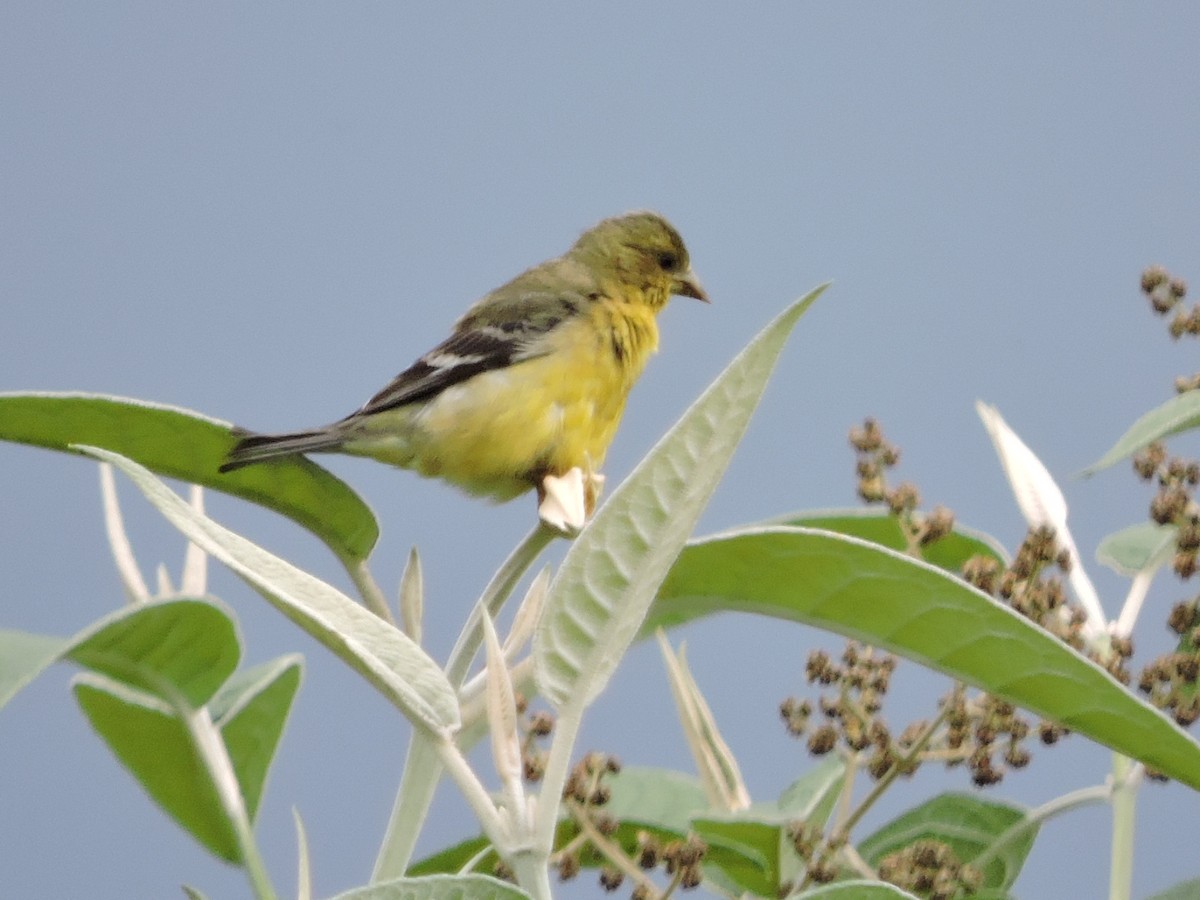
642,250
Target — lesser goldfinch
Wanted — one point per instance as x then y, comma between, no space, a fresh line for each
533,379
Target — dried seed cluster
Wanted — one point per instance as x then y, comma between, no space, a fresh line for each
1174,503
1033,586
585,784
986,734
818,853
533,726
850,708
1166,294
680,859
874,457
982,732
1170,682
931,869
586,793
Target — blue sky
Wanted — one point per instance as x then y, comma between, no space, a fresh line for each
263,213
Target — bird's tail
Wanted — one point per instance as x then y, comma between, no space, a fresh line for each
254,448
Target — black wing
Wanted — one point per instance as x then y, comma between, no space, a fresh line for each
493,338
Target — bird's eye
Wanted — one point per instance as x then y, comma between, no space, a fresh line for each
668,261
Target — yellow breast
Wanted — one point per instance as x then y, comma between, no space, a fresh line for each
498,433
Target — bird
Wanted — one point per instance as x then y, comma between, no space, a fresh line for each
533,379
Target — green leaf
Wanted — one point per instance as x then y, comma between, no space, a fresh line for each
154,744
968,824
385,656
812,796
157,663
609,576
1180,413
438,887
669,805
453,858
746,849
23,657
251,711
949,552
1185,890
659,801
752,846
1137,548
192,893
183,444
180,647
875,595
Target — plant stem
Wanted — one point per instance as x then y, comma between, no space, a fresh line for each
422,772
256,870
675,881
846,796
1056,807
470,865
1124,797
477,797
118,540
425,764
493,598
1133,602
533,875
211,747
554,777
572,845
372,596
851,857
610,849
891,775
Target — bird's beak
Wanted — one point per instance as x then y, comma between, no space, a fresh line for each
688,285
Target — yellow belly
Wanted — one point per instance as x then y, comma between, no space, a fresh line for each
498,433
